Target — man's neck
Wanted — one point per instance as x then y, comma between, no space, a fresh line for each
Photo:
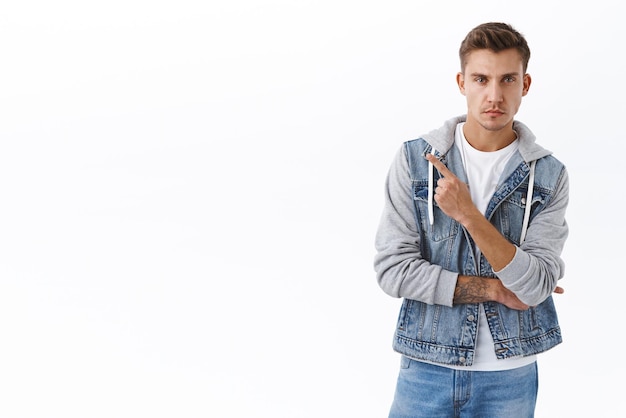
486,140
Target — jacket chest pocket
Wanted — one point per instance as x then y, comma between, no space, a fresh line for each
510,217
443,227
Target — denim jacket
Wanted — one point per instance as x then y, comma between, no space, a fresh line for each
420,261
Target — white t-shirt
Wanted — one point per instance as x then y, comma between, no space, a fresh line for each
483,170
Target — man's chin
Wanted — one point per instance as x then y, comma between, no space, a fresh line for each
495,124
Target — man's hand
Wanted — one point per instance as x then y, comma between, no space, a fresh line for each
475,289
451,194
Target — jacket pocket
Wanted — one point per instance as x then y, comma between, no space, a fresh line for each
443,227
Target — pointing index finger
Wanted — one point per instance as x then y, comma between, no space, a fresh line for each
439,165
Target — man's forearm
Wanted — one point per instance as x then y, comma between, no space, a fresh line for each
492,244
475,289
472,289
454,199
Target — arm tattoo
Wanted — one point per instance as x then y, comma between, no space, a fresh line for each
472,291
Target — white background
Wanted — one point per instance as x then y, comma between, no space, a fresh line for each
189,193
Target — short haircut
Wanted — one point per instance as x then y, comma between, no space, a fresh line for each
496,37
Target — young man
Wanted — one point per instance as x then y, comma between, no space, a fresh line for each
471,237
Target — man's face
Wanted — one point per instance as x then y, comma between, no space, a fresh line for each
493,84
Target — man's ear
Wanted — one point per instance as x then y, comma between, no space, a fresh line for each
460,81
527,80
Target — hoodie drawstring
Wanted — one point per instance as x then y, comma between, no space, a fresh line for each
431,215
529,200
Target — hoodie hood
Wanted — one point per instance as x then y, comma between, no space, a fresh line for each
442,139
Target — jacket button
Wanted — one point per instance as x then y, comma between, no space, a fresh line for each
471,318
462,359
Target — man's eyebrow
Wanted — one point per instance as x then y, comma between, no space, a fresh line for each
515,74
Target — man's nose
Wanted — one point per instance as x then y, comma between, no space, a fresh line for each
495,93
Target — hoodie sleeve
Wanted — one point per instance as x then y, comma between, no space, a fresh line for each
537,265
400,269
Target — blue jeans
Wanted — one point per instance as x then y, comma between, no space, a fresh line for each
428,391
